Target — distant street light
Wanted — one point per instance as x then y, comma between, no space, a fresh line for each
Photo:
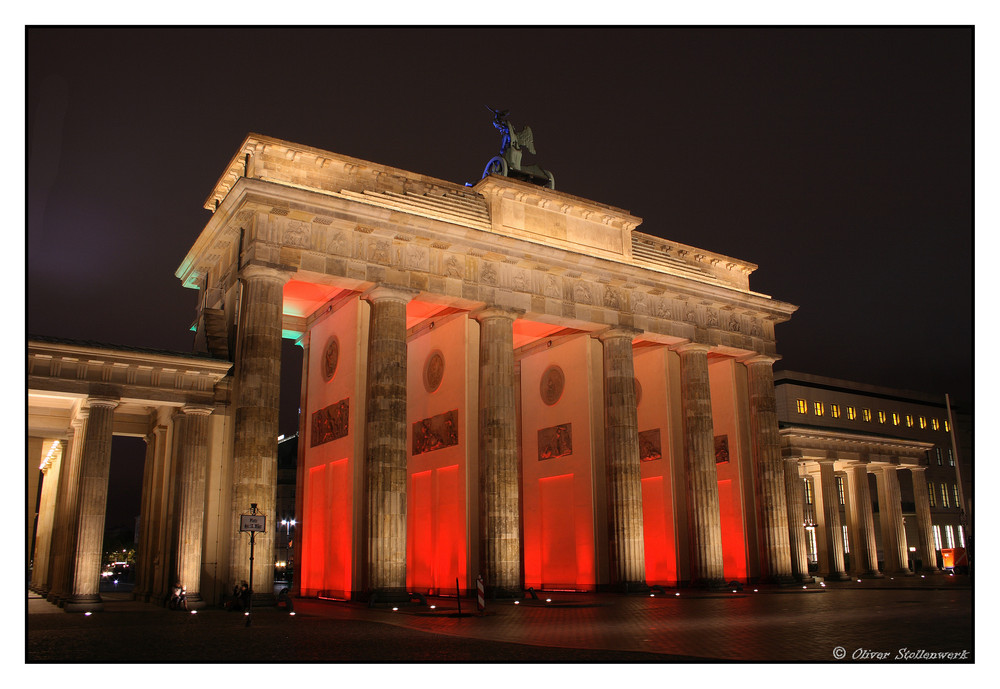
288,524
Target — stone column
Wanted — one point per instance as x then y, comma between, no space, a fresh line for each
51,466
255,421
865,548
66,517
891,518
385,445
769,472
925,528
831,522
795,503
93,496
621,440
499,500
193,461
702,484
300,474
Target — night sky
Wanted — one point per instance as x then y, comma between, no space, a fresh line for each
839,160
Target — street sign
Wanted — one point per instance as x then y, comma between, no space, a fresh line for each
252,522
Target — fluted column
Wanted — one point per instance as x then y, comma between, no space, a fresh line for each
93,496
500,552
621,440
769,472
831,522
891,518
795,503
67,495
193,456
385,444
51,466
701,481
925,528
255,422
866,560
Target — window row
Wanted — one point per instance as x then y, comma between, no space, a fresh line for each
942,490
949,536
851,413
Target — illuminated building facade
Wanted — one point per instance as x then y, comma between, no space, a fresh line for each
875,475
499,380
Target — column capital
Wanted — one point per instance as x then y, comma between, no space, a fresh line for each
197,409
108,402
493,311
618,331
686,347
382,292
256,270
759,360
916,467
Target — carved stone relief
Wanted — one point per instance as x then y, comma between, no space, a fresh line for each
433,371
329,423
551,385
331,356
435,433
556,441
649,445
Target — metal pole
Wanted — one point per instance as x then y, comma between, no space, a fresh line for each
253,534
458,590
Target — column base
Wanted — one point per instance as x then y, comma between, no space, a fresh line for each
870,575
837,576
195,602
84,603
53,598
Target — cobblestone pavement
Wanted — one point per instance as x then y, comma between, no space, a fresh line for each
773,624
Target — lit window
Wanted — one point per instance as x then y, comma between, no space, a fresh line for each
835,411
852,413
866,414
935,424
944,495
811,540
961,536
937,451
800,406
930,494
847,544
840,490
818,408
947,426
881,417
809,490
951,458
895,419
937,537
954,493
949,536
923,422
909,420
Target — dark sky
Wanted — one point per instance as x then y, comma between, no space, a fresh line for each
837,160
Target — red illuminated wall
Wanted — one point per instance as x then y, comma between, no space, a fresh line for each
558,503
658,527
436,522
725,422
327,529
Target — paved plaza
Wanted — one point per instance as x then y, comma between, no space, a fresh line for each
893,617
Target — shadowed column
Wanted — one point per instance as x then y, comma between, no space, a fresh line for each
500,558
621,439
831,522
93,496
385,444
191,501
255,421
891,517
769,472
861,509
699,467
925,528
51,467
795,501
67,495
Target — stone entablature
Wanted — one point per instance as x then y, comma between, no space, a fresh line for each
334,220
812,444
78,369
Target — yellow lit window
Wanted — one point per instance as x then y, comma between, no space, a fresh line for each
818,408
909,420
835,411
881,417
935,425
944,495
808,490
800,406
866,414
923,422
947,426
895,419
930,493
852,413
954,493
